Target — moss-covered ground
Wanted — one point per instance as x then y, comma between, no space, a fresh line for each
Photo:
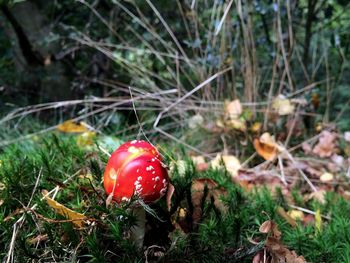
26,169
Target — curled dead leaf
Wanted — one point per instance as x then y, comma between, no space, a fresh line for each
266,146
266,227
271,227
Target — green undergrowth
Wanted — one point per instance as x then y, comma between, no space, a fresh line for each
56,160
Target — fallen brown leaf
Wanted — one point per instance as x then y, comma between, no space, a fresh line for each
266,146
276,251
199,188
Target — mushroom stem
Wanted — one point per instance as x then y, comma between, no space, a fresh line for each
138,230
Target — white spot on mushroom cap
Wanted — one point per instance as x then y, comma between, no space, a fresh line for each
138,191
139,178
157,178
149,168
134,141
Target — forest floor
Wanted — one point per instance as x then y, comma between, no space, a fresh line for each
53,206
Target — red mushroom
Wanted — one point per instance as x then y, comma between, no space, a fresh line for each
136,168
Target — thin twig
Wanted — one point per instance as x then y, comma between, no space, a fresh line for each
223,17
300,171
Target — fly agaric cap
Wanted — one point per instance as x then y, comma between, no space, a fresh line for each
136,168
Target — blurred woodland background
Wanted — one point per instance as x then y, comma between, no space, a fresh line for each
67,50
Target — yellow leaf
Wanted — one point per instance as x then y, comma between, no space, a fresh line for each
182,212
326,177
231,163
286,216
86,139
237,124
256,127
77,218
319,127
318,220
296,214
282,105
266,146
72,127
269,140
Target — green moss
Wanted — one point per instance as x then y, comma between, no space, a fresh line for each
219,236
